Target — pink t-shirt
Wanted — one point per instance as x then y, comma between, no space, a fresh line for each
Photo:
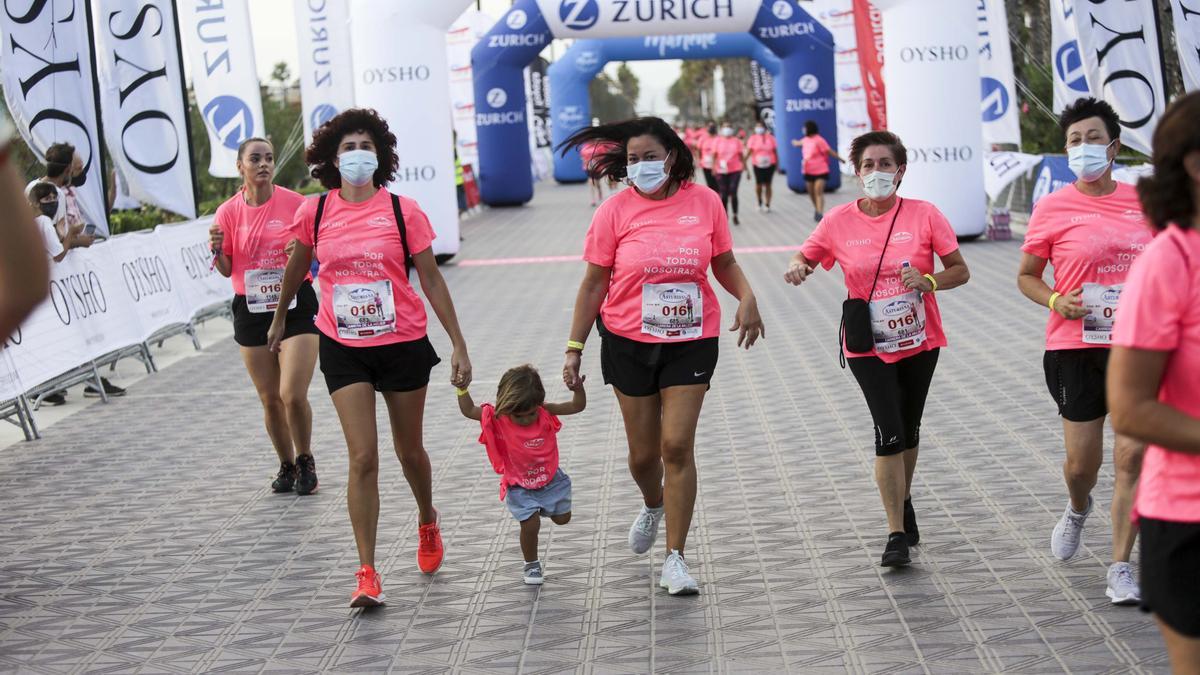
728,151
854,240
659,252
362,263
816,155
1088,240
589,151
523,456
255,236
708,150
1160,311
764,150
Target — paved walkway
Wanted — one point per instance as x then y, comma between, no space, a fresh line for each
141,536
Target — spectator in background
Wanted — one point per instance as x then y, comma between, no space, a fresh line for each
64,169
24,273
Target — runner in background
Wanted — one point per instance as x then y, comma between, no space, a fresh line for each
588,154
817,153
728,153
708,155
249,237
763,156
1091,232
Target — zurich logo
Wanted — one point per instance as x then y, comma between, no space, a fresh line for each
497,98
517,19
782,10
229,118
1068,65
808,83
322,114
579,14
995,99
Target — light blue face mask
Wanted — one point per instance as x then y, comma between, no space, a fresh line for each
647,176
1089,161
357,166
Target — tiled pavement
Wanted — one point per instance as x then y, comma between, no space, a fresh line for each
140,536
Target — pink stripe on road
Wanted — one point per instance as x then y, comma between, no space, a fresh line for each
539,260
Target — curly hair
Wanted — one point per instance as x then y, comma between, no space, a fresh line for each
1086,108
612,162
520,390
1169,196
323,150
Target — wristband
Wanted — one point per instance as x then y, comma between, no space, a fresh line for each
1053,296
932,281
461,392
575,345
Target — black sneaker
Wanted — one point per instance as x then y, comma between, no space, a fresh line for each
896,553
111,389
285,479
57,398
306,482
911,533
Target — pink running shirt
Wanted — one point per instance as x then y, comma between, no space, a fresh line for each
1160,311
255,236
523,456
764,150
1088,240
854,240
729,152
816,155
589,151
708,150
659,252
359,249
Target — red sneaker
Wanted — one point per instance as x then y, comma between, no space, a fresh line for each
370,588
429,549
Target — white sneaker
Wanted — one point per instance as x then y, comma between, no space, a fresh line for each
767,208
675,577
533,574
1122,589
1067,533
644,530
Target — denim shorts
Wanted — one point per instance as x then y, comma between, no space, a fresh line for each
552,499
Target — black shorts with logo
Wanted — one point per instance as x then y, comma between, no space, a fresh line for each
645,368
764,174
250,329
1170,573
403,366
1075,378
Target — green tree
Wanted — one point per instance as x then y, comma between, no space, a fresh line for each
628,83
693,92
609,102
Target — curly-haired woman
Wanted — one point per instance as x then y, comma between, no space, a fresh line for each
372,322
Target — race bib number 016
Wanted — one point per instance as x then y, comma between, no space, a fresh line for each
673,311
364,310
898,323
1101,303
263,288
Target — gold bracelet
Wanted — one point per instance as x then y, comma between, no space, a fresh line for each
575,345
932,281
1053,296
461,392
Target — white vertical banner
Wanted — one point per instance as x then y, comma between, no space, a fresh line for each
401,71
852,117
932,74
50,88
216,36
1070,80
1119,43
460,40
142,100
1186,15
1001,124
326,74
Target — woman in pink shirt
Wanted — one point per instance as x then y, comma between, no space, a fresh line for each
886,246
728,153
588,154
762,154
817,154
372,322
707,144
249,238
1091,232
648,253
1154,383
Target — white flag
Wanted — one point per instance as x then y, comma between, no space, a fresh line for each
326,74
1001,123
1186,15
142,101
51,89
1000,169
220,52
1118,40
1070,81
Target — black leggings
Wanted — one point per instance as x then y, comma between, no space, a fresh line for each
895,394
727,186
710,179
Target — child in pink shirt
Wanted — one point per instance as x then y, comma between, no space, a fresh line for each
520,433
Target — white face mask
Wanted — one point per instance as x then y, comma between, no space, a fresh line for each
879,185
357,166
726,131
647,176
1089,161
760,130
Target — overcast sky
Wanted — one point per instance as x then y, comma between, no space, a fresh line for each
274,27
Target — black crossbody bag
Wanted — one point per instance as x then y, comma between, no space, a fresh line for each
408,261
856,330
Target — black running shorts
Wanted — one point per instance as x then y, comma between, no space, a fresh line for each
404,366
645,368
764,174
1075,378
1170,573
810,177
250,329
895,394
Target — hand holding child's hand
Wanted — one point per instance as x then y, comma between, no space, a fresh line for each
578,384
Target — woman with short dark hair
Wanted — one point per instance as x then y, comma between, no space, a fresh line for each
817,153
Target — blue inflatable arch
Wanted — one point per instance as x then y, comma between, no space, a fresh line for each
777,33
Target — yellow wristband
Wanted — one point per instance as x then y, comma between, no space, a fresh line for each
1053,296
932,281
574,344
461,392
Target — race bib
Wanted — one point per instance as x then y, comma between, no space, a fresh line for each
263,288
762,162
898,323
673,311
1101,303
364,310
724,166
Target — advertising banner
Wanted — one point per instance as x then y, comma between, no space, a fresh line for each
184,250
868,34
764,95
1186,15
462,37
1001,124
326,74
1070,80
148,281
1000,169
624,18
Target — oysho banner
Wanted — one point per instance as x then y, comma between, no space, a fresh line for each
1070,80
50,88
1186,15
142,97
220,53
630,18
326,74
852,117
1001,125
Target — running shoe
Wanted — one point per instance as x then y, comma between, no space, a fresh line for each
736,220
911,533
57,398
767,208
817,216
896,553
429,547
110,389
644,530
306,480
1064,542
285,479
1122,589
370,588
675,577
533,573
